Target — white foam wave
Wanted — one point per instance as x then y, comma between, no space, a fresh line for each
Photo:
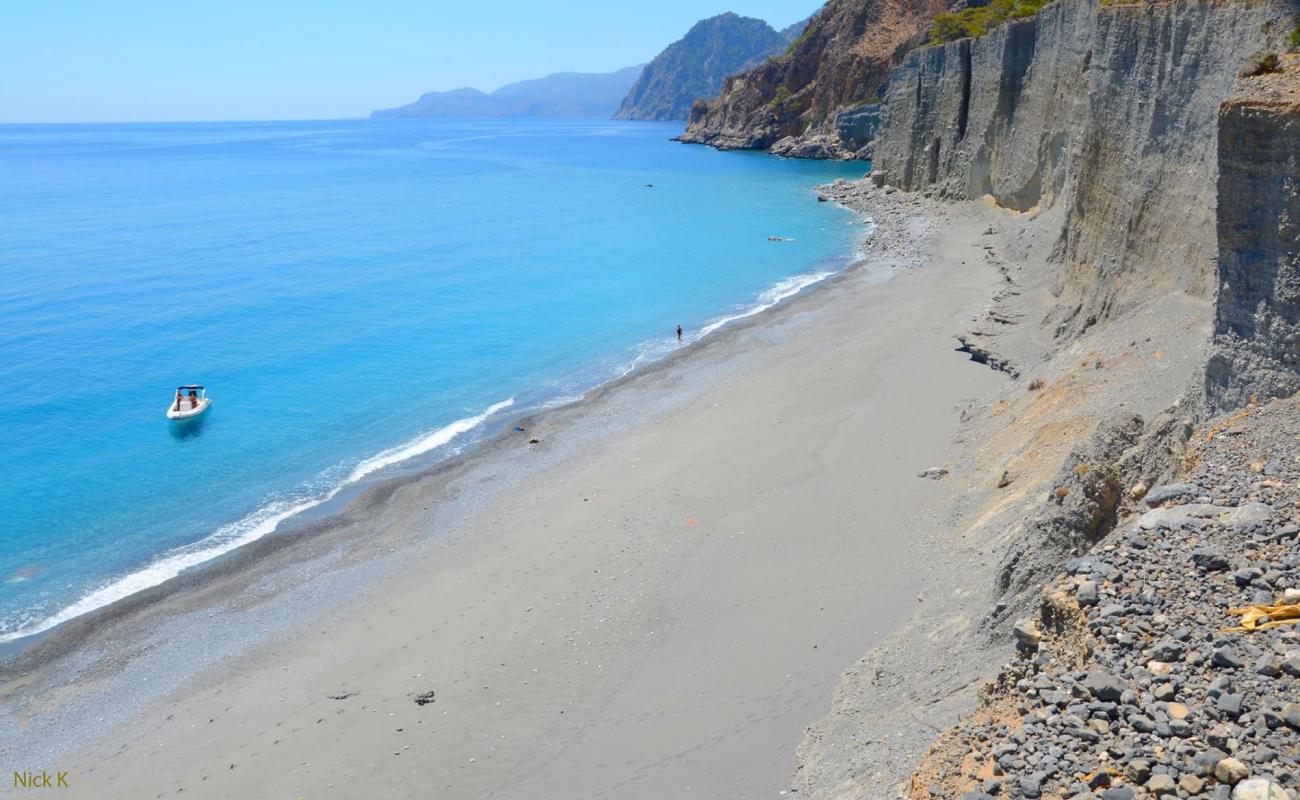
424,443
249,529
786,288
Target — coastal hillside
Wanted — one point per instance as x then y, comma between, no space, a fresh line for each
1142,159
1151,665
564,94
797,104
695,66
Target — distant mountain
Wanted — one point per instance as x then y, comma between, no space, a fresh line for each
694,67
564,94
796,30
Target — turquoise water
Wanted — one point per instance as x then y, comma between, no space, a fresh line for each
352,294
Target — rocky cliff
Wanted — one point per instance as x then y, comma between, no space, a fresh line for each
1257,316
792,102
695,66
1155,193
1106,112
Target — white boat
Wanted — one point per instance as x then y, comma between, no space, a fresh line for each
191,401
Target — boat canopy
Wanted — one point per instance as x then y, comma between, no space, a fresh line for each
190,386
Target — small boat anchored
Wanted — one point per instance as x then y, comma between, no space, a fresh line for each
191,401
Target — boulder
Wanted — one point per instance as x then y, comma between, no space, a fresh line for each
1104,687
1176,517
1248,516
1230,770
1209,560
1169,491
1259,789
1027,634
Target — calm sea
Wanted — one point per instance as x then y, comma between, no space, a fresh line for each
353,294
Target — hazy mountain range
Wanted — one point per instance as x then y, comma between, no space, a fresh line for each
689,69
564,94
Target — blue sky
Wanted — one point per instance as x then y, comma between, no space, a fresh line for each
136,60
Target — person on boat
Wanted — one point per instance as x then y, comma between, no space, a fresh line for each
178,400
194,399
679,333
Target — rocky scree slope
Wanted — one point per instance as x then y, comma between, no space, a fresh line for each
695,66
1136,679
792,104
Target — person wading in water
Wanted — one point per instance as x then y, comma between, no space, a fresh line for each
679,333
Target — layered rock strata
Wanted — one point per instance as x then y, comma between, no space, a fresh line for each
1257,316
1109,112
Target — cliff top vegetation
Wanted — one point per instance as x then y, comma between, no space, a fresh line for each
979,20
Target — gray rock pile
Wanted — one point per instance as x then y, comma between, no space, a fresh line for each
1144,685
896,225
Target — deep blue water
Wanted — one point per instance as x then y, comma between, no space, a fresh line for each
343,289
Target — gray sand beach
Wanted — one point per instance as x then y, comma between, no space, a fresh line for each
655,600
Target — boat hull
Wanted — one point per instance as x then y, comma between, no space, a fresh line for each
186,412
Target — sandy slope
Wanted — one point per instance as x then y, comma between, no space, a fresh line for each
659,612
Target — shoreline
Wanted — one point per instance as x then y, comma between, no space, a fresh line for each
317,516
496,421
323,515
351,562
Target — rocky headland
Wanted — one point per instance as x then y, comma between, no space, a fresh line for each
817,100
695,66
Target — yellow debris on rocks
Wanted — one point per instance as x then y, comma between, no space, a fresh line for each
1259,618
1109,770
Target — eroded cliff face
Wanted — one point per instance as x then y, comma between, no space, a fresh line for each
792,102
1257,316
1109,113
1172,193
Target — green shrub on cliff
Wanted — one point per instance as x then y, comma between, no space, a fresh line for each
1295,35
779,99
1260,64
979,20
799,41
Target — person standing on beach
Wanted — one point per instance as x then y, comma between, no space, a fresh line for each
679,333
